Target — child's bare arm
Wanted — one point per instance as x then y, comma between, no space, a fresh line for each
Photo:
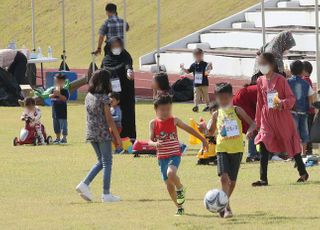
191,131
213,127
252,125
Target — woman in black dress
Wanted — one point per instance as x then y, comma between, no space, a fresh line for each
119,62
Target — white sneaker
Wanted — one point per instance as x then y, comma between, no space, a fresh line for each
84,191
109,198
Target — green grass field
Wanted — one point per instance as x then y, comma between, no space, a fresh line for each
37,186
179,18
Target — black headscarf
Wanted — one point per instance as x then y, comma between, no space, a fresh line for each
115,62
280,43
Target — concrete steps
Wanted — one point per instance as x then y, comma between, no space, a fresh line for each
306,2
232,46
280,17
286,4
252,38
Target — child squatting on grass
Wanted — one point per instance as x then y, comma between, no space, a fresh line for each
226,123
160,84
164,136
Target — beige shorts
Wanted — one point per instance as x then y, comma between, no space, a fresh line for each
201,93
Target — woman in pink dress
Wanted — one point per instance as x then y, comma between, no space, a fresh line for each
277,131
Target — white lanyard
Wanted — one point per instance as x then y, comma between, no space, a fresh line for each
198,77
115,84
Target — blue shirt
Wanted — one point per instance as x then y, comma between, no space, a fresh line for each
113,27
117,116
301,90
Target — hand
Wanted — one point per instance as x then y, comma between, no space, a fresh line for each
130,74
182,65
157,144
278,106
250,134
119,142
56,93
97,51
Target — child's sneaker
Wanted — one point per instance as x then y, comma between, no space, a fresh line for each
106,198
119,151
181,196
63,141
227,213
180,212
84,191
195,109
56,141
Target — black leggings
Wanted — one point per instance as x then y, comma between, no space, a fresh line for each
264,163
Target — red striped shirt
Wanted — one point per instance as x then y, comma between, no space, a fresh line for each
165,132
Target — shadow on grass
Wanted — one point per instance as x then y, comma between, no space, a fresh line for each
139,200
306,183
158,200
266,218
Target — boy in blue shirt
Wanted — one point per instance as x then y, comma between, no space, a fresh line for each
117,117
59,97
304,98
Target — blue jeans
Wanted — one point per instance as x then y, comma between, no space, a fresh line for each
252,150
60,125
104,156
301,121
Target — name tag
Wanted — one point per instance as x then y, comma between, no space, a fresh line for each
198,76
270,98
232,129
115,84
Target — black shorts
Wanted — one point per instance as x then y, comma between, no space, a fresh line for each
230,164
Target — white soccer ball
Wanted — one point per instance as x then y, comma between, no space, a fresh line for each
215,200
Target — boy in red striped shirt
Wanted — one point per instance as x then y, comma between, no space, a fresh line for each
164,136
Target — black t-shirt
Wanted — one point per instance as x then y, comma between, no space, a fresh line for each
59,108
199,68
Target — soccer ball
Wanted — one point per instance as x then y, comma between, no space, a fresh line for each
215,200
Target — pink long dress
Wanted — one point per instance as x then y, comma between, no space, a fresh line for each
277,128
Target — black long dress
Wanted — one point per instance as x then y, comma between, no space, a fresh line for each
118,65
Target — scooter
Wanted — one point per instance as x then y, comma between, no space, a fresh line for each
29,136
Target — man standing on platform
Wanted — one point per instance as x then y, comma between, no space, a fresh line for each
112,27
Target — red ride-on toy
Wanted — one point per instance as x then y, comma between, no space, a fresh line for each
28,135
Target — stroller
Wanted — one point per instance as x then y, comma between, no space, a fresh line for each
28,135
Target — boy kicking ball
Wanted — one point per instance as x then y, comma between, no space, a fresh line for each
164,136
227,121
